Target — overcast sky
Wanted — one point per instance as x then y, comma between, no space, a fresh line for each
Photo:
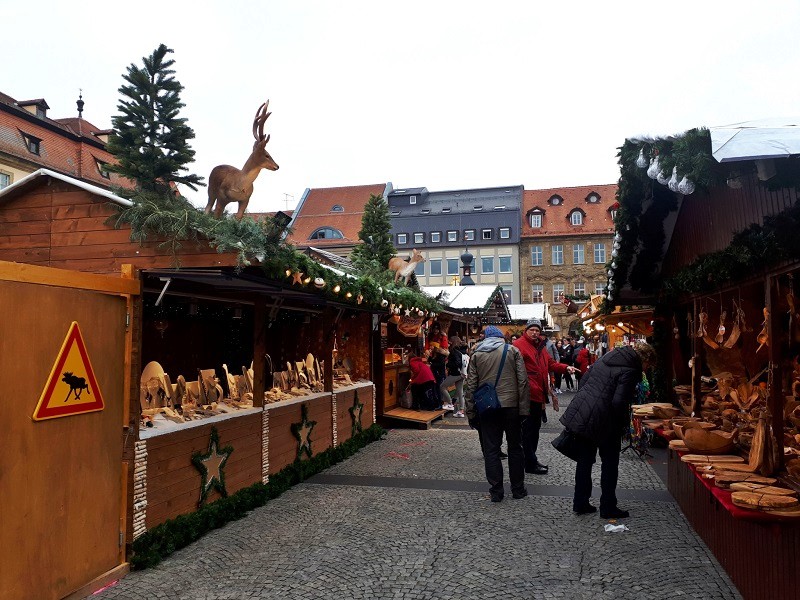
440,94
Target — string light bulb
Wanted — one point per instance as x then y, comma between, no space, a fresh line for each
337,288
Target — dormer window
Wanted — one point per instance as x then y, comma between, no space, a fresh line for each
446,209
326,233
33,144
337,208
412,200
426,211
556,200
102,168
477,207
593,198
535,218
576,217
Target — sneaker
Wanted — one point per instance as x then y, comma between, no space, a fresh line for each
447,406
459,414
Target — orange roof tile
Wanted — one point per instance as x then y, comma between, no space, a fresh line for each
315,211
556,218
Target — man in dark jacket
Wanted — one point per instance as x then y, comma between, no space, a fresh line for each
599,413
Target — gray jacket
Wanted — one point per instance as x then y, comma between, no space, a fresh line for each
512,387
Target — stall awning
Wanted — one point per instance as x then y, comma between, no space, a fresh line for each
537,310
482,301
756,140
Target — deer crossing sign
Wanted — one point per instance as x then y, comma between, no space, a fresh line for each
72,387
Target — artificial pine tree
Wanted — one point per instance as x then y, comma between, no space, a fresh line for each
150,141
376,249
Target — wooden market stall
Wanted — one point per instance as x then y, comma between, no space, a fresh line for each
298,363
719,260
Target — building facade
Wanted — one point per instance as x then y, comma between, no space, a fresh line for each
567,239
330,218
441,225
30,139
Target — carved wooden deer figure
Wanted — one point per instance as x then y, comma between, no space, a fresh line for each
403,268
229,184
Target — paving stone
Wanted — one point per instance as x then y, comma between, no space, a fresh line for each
343,541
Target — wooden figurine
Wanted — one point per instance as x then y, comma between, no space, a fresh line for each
228,184
403,268
154,390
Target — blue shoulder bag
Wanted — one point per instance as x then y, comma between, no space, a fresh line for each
485,397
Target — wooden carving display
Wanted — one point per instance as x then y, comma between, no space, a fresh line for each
228,184
154,390
763,336
763,501
705,441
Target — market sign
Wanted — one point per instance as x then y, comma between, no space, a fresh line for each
72,387
409,326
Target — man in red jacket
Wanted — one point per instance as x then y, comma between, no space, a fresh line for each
539,364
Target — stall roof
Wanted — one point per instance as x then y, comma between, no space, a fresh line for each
487,300
756,140
537,310
23,184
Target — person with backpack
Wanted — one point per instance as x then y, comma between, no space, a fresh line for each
539,364
455,376
496,362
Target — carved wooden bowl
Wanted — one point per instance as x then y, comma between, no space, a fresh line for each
704,441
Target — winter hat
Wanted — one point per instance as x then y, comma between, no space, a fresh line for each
492,331
455,340
533,322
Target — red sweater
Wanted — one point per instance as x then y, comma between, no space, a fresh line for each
539,364
582,359
420,372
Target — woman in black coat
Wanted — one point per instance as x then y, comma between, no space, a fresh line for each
599,414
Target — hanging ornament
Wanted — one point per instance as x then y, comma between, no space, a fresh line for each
297,277
307,280
610,273
662,178
613,264
319,283
685,187
617,245
614,253
380,290
408,312
359,299
420,312
654,169
641,162
673,181
617,237
391,307
288,272
384,303
396,310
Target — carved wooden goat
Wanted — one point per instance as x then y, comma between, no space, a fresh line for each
229,184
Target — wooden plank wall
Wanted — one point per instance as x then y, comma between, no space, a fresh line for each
282,442
759,557
706,222
344,401
60,479
59,225
173,482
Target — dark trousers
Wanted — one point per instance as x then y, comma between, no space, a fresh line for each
423,396
558,380
568,380
530,434
507,421
609,473
439,373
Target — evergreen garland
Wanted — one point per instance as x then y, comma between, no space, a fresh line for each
164,539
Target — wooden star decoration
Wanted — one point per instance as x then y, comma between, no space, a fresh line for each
297,277
211,465
302,431
408,312
355,412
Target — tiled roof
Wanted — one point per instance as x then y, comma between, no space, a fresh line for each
556,221
315,211
63,149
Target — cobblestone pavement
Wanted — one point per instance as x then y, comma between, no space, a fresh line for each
339,540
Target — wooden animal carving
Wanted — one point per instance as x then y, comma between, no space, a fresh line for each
403,268
228,184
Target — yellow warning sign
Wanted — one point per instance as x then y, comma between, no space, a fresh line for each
72,387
